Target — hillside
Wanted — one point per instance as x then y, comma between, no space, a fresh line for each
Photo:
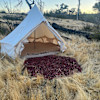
15,19
70,23
84,85
79,86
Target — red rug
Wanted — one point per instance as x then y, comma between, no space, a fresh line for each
52,66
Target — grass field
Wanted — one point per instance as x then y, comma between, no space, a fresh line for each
79,86
70,23
66,23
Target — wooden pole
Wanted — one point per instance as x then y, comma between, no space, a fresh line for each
34,39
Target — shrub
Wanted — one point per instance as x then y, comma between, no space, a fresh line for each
2,12
13,18
94,29
87,28
3,30
95,36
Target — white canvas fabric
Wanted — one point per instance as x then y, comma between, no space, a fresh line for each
34,22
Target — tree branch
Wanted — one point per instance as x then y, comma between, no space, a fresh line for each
30,4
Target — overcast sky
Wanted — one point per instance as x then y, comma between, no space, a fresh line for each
86,5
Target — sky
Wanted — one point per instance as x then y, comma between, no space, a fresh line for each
86,5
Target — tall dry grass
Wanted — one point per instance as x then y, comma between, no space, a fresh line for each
79,86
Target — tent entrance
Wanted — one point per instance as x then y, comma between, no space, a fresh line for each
40,48
40,41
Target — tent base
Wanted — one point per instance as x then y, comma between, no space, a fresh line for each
40,55
39,49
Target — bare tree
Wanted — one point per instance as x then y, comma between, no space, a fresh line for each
30,3
97,7
41,5
10,10
62,8
19,3
78,10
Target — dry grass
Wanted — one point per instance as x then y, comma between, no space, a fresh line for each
79,86
70,23
1,37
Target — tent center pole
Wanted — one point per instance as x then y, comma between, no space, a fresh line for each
34,39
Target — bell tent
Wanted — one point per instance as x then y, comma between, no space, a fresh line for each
34,35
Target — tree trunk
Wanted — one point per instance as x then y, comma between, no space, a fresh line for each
78,11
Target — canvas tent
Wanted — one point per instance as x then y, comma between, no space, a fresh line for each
33,29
